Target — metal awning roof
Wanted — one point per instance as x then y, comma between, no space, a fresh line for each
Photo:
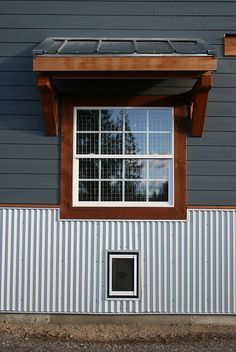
124,46
70,58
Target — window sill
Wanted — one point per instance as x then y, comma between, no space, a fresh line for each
151,213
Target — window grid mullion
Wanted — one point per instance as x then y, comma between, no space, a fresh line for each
127,156
99,133
99,179
99,153
123,181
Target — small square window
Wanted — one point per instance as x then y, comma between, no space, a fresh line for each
123,275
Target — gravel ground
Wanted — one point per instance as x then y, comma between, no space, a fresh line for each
122,337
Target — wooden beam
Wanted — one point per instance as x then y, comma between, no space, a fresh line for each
230,45
43,63
49,105
198,100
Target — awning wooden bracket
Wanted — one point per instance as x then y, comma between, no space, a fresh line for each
124,58
198,103
49,105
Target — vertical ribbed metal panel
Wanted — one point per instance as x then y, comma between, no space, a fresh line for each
48,265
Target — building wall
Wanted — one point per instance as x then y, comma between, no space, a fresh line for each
48,265
30,162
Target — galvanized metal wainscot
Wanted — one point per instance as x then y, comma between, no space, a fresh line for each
53,266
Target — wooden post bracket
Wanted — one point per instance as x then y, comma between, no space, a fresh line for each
49,105
198,104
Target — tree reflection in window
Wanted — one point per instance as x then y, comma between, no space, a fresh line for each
120,132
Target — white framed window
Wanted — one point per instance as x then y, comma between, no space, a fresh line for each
123,156
123,275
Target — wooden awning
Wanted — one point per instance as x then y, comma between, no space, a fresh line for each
76,58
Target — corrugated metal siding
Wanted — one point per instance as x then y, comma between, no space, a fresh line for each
47,265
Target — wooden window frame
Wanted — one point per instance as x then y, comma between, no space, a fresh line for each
178,211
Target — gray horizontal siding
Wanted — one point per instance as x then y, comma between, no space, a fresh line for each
224,80
15,64
29,166
212,183
221,108
17,93
220,124
218,153
26,137
214,138
30,151
79,7
112,8
26,154
29,195
211,168
35,35
215,197
192,22
22,181
21,107
17,78
17,122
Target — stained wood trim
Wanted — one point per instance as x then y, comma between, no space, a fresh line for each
176,212
230,45
198,100
124,63
49,105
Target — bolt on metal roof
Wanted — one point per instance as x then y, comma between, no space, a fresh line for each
124,46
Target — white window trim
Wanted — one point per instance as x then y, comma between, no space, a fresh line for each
121,295
76,157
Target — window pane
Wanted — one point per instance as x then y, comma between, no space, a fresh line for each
160,143
135,120
87,143
158,169
88,191
120,154
158,191
135,143
112,168
112,143
135,168
87,120
89,168
135,191
122,274
112,120
160,120
111,191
